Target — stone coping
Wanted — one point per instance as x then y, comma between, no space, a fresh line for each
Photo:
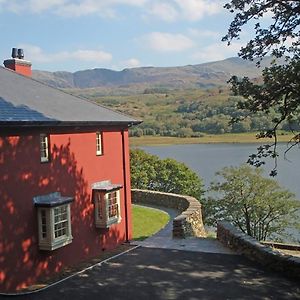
233,238
282,246
189,221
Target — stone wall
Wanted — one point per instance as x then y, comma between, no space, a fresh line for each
233,238
187,223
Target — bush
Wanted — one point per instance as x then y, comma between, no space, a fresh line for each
165,175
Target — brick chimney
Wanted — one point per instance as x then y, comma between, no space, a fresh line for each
18,63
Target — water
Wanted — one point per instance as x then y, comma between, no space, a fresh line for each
207,159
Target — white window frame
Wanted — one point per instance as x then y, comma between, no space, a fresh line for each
102,208
46,228
44,148
99,144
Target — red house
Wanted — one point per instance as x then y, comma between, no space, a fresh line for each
64,177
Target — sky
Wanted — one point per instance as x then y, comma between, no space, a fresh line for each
72,35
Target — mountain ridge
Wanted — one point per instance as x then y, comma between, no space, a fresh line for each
210,74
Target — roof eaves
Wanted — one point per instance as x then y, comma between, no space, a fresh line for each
10,124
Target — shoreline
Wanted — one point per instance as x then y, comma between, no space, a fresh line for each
230,138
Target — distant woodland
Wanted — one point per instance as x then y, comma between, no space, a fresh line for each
187,113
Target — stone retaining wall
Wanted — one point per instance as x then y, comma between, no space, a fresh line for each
233,238
282,246
188,223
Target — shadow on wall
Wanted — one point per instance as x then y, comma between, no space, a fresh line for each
22,177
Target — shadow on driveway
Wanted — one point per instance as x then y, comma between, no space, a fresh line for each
146,273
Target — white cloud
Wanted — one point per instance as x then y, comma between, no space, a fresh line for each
188,10
126,64
84,8
167,42
195,10
38,6
69,8
35,6
90,55
104,8
216,51
164,11
131,63
36,54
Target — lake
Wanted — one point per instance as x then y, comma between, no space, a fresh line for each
206,159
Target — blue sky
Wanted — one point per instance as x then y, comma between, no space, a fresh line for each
73,35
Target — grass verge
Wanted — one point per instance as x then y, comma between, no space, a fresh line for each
147,221
207,139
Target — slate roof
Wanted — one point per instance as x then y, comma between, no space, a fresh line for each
28,102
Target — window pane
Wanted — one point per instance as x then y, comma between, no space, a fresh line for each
113,207
98,143
44,224
60,221
99,202
44,147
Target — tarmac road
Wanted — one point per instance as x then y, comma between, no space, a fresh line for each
149,273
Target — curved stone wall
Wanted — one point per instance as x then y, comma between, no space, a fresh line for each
187,223
233,238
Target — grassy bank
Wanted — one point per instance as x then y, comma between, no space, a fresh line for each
147,221
207,139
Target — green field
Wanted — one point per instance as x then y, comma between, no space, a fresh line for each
147,221
248,137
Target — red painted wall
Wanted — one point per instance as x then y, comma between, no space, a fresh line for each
73,168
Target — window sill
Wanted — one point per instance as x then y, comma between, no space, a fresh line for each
108,223
55,245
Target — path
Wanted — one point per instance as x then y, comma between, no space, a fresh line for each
163,239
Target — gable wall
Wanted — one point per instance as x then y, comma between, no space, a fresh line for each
74,166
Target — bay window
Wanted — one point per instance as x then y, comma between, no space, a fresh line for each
54,220
106,198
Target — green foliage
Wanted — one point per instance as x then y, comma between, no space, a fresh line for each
279,92
280,24
186,113
147,221
255,204
165,175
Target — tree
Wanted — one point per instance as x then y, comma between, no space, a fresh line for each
166,175
257,205
279,36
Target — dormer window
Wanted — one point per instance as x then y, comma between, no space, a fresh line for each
54,220
44,148
106,198
99,150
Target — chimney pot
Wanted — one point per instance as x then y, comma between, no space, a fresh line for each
20,53
17,63
14,53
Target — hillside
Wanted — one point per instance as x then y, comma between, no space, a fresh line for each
207,75
189,101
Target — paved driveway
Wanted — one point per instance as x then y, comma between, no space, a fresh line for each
164,240
146,273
